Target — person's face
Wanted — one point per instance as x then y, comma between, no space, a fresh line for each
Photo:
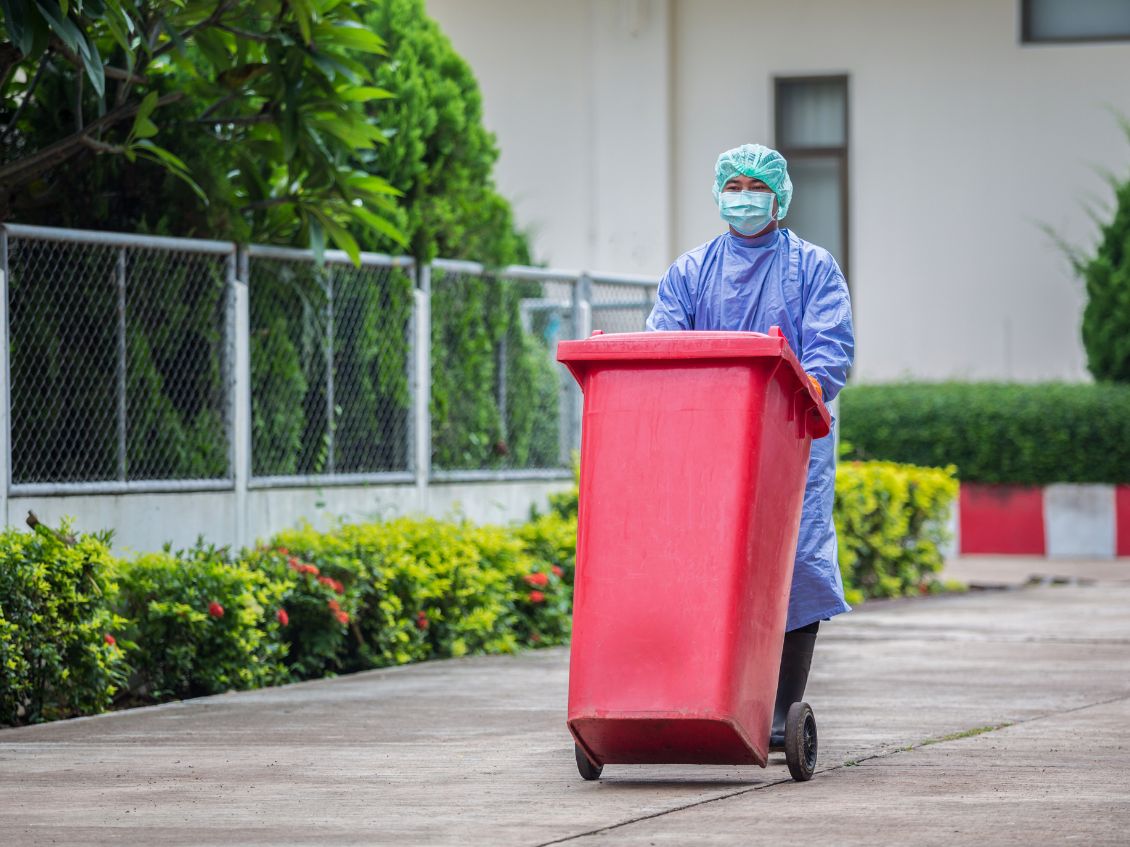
741,182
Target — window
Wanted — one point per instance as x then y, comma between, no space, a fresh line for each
812,133
1074,20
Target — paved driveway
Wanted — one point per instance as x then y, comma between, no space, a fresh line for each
999,717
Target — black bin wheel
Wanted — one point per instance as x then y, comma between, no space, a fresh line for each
800,741
587,769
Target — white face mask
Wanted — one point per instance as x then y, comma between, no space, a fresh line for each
748,212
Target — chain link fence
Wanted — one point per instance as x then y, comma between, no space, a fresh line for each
118,359
331,348
497,393
122,364
621,303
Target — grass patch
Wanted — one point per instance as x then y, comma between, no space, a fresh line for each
966,733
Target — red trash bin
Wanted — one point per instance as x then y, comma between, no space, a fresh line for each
694,458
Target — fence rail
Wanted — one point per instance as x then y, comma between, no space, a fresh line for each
132,363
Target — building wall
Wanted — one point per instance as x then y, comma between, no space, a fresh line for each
576,93
964,145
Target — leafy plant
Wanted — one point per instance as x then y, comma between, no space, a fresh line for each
423,587
891,523
552,539
199,625
60,648
318,604
1106,318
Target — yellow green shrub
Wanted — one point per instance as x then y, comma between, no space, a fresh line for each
59,653
891,520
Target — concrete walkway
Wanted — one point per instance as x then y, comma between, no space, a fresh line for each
998,717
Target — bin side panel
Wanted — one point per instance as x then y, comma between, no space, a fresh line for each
761,609
682,583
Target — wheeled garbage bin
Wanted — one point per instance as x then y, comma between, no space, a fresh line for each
694,458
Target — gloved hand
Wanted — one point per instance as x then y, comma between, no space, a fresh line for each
816,384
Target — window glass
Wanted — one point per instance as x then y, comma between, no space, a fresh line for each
813,113
1076,20
816,211
812,133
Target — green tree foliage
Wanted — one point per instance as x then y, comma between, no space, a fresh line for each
284,132
493,383
143,109
494,387
271,97
1106,318
440,155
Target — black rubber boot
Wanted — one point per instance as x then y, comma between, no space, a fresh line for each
796,659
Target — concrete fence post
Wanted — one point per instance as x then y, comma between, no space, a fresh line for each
120,280
422,382
582,328
331,401
239,324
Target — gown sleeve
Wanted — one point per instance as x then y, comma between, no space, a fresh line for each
827,335
673,308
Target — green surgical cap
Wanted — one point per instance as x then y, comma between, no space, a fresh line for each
758,162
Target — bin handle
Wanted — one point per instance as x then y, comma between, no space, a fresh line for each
800,407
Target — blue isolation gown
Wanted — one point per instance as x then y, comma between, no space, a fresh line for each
752,284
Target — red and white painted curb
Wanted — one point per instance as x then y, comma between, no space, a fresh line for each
1058,521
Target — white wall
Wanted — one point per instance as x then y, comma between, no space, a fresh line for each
575,92
610,113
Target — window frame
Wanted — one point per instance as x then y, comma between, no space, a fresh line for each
1026,36
841,152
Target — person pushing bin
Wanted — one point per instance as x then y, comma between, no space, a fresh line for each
752,277
756,278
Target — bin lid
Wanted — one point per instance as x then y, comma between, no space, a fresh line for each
689,344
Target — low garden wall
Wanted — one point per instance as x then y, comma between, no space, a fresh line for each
1059,521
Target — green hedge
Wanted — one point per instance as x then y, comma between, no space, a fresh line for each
194,624
1003,433
81,631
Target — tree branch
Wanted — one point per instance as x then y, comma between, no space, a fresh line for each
27,96
10,57
209,21
242,33
28,168
223,101
79,78
100,146
110,72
